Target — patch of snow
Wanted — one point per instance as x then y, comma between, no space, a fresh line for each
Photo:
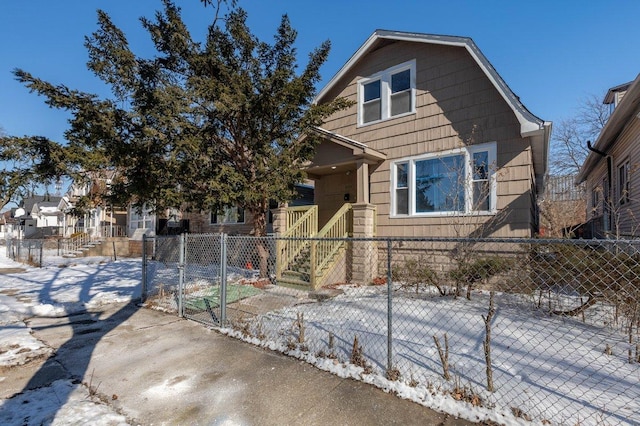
42,406
18,346
56,291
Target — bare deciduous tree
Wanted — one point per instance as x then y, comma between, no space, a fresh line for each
568,151
570,136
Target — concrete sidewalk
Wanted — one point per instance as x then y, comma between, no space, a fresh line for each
158,369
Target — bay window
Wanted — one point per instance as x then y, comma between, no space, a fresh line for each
460,181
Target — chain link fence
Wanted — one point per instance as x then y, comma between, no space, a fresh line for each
539,330
32,251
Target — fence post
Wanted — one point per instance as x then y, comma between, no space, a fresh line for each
143,292
181,275
389,308
223,279
41,252
313,263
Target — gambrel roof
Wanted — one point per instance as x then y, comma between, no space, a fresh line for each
530,125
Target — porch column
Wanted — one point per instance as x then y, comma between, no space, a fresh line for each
280,219
364,253
363,182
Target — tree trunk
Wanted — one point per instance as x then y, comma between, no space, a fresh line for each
444,355
487,342
260,231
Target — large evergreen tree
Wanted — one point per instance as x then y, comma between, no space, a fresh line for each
202,124
26,162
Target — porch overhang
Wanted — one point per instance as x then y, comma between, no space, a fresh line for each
337,153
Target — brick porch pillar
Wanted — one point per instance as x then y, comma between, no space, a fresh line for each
364,254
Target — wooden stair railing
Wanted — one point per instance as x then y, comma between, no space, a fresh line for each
302,223
324,252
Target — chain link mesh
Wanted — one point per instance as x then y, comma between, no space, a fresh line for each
48,251
32,252
202,275
545,330
161,272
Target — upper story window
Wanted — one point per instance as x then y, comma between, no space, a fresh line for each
390,93
461,181
227,215
623,183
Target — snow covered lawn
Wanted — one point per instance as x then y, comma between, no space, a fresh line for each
545,368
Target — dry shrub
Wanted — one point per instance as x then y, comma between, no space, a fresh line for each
393,374
357,357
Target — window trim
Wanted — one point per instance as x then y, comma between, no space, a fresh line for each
385,92
213,214
141,219
595,201
622,194
489,147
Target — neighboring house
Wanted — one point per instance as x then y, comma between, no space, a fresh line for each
611,168
615,95
435,145
236,221
140,221
99,219
39,216
9,225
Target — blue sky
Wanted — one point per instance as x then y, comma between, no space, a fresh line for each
551,53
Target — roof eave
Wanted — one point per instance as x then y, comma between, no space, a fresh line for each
358,148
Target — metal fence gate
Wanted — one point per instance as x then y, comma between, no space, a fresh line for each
206,277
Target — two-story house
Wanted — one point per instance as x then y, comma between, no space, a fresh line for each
435,145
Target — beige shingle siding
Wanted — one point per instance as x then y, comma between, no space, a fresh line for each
626,149
456,105
329,194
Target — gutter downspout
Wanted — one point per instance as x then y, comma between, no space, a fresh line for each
609,159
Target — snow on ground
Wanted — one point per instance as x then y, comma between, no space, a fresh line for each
62,287
547,367
41,407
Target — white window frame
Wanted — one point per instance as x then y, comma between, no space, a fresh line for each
222,218
468,152
595,201
145,219
623,183
385,92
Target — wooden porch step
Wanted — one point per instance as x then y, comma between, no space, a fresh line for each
297,275
294,283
